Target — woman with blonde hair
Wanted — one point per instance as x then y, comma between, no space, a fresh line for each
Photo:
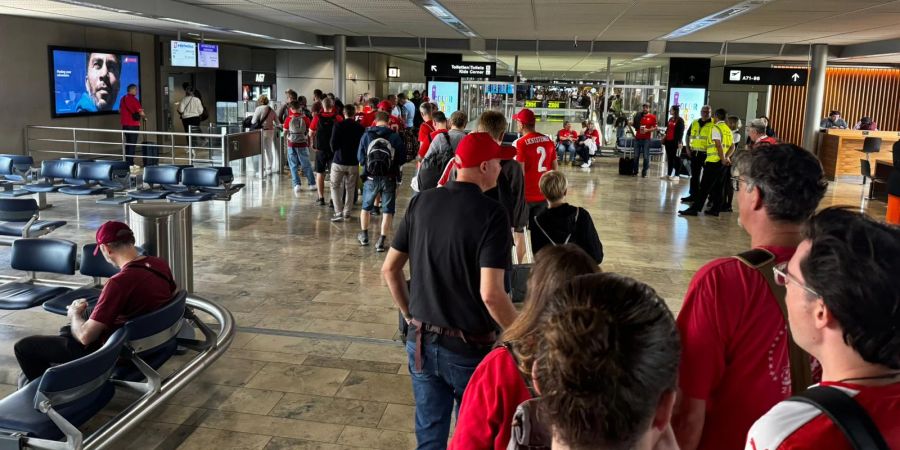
503,379
264,119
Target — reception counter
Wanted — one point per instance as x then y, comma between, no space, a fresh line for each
841,150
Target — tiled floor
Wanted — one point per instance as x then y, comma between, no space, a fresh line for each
314,365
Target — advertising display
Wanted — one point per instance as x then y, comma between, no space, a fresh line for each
85,82
689,101
184,54
208,56
445,94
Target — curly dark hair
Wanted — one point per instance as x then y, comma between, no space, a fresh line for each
854,265
608,352
790,180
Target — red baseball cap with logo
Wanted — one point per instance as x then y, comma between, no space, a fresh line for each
526,116
112,231
476,148
385,106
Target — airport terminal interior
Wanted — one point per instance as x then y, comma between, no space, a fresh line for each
290,336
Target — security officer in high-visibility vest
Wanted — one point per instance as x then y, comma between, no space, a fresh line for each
718,160
697,141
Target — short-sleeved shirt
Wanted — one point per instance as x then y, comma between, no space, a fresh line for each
510,192
132,292
648,121
425,131
537,152
567,134
593,134
315,122
489,403
734,348
450,234
801,426
287,127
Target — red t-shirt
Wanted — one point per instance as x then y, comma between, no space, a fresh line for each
801,426
395,124
595,135
368,119
315,121
128,106
489,403
734,348
287,125
564,133
132,292
766,140
670,129
648,121
538,153
431,137
425,131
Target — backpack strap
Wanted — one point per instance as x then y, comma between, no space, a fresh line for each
574,225
545,232
846,414
763,262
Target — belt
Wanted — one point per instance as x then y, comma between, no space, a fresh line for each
473,339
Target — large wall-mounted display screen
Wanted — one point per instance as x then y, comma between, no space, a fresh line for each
85,82
183,54
689,101
208,56
445,94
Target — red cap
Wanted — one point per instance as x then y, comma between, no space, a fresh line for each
385,106
476,148
111,231
526,116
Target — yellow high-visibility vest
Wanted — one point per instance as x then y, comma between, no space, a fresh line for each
727,139
700,135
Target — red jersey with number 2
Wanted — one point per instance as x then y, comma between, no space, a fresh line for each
537,152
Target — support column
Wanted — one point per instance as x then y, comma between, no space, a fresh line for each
340,68
815,95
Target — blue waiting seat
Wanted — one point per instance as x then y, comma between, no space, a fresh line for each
152,340
227,188
55,173
37,255
14,170
21,219
195,179
94,266
158,178
100,178
53,406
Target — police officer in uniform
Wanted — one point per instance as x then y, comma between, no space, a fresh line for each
718,163
698,140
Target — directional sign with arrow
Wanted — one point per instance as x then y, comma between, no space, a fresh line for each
462,69
764,75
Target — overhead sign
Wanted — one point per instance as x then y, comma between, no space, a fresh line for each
208,55
465,69
259,78
393,72
765,75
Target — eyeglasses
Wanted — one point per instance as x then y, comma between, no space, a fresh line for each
782,278
736,183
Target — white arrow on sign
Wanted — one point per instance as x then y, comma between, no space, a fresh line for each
434,68
795,77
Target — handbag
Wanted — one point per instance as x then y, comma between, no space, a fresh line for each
527,430
204,115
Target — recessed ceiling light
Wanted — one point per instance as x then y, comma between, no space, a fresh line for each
292,42
715,18
247,33
185,22
444,15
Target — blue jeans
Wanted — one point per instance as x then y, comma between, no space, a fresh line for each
642,146
436,388
385,186
565,147
299,157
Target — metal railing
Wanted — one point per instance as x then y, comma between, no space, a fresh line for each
41,142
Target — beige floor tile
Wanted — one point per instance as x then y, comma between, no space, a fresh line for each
299,379
231,371
347,328
273,426
379,387
374,438
299,345
355,298
376,314
351,364
375,352
259,355
227,398
206,438
279,443
398,418
282,322
329,410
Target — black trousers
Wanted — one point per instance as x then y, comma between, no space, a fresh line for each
130,140
582,151
727,188
36,354
710,188
698,159
674,162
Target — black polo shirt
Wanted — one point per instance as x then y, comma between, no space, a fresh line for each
450,234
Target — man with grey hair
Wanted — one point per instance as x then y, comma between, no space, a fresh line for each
734,363
756,131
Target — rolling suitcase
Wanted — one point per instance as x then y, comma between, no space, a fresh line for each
626,166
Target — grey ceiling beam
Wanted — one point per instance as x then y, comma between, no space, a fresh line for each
875,48
217,20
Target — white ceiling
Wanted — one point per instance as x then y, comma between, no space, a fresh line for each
836,22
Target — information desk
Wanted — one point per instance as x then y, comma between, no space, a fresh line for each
841,150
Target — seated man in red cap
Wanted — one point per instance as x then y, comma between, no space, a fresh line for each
143,285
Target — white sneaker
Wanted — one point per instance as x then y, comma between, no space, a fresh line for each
585,165
297,188
664,177
674,178
311,187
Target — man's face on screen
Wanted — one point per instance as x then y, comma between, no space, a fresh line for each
102,82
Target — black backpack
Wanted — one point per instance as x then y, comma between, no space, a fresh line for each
379,157
433,166
323,132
